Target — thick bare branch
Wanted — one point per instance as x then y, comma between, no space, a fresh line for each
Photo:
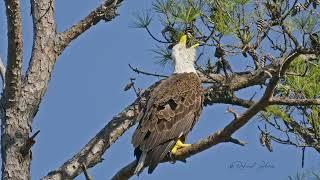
106,12
92,152
12,125
15,51
43,56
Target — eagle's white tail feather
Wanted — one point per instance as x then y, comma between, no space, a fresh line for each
140,164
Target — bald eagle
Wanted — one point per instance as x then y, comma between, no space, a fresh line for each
171,110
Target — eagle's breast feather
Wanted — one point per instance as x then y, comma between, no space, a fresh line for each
171,111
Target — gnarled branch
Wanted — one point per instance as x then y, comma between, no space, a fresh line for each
106,12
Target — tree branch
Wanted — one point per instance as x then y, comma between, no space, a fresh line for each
85,171
43,57
15,51
91,153
106,12
146,73
237,81
13,128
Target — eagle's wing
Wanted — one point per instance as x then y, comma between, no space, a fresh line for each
171,111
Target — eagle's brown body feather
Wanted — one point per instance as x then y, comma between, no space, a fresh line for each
171,111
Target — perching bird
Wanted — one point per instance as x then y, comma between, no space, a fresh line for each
171,111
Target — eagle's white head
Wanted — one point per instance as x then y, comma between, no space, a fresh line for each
184,57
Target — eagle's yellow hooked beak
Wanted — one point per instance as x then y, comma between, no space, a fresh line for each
183,41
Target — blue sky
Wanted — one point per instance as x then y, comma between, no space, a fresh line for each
86,91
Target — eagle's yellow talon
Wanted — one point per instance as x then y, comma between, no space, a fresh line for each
179,144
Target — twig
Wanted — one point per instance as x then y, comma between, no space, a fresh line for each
235,115
85,172
154,38
290,35
236,141
146,73
302,158
29,143
134,87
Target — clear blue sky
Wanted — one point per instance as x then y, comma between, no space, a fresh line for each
86,91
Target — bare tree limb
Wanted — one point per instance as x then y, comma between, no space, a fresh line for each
15,51
3,73
11,125
91,153
43,56
85,171
241,80
106,12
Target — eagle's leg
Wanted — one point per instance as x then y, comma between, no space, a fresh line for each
179,144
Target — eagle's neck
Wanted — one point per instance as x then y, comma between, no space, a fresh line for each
183,59
184,67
